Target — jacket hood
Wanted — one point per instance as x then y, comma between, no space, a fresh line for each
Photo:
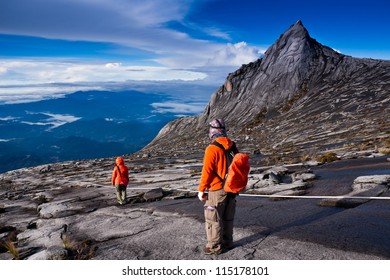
119,161
225,142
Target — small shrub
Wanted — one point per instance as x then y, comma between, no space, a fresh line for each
291,160
305,157
69,244
11,247
385,151
85,250
363,146
328,157
8,244
386,143
79,250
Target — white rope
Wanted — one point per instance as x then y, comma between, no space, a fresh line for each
317,196
283,196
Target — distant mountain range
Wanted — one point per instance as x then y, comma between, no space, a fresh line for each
82,125
300,98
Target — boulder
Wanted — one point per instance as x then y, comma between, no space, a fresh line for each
304,177
154,194
51,253
363,186
368,182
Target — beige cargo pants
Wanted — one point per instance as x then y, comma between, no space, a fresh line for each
219,213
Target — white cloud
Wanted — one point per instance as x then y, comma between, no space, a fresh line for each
31,93
44,72
34,123
113,65
337,51
9,118
235,54
28,80
57,120
138,24
6,140
215,32
54,120
221,55
177,107
3,70
129,25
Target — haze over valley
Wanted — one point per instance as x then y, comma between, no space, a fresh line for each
91,124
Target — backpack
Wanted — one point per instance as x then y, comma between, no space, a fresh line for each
237,166
120,174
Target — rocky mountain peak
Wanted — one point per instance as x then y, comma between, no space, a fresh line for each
297,30
301,92
262,86
294,37
293,48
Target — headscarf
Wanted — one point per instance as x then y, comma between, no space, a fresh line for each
217,129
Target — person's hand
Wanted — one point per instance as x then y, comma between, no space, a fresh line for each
201,196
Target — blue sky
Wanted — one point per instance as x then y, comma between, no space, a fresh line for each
50,47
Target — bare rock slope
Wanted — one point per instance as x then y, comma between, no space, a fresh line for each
301,96
69,211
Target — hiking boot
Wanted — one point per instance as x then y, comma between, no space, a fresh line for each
209,251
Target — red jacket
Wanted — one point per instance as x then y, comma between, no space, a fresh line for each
121,177
214,161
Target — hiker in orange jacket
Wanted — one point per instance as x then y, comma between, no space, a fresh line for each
219,208
120,179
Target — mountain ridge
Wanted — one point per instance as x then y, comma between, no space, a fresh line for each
300,92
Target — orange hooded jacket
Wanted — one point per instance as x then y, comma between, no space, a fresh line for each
214,161
116,178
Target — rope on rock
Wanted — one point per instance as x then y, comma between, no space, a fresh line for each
317,196
285,196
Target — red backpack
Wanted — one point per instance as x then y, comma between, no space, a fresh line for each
236,177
